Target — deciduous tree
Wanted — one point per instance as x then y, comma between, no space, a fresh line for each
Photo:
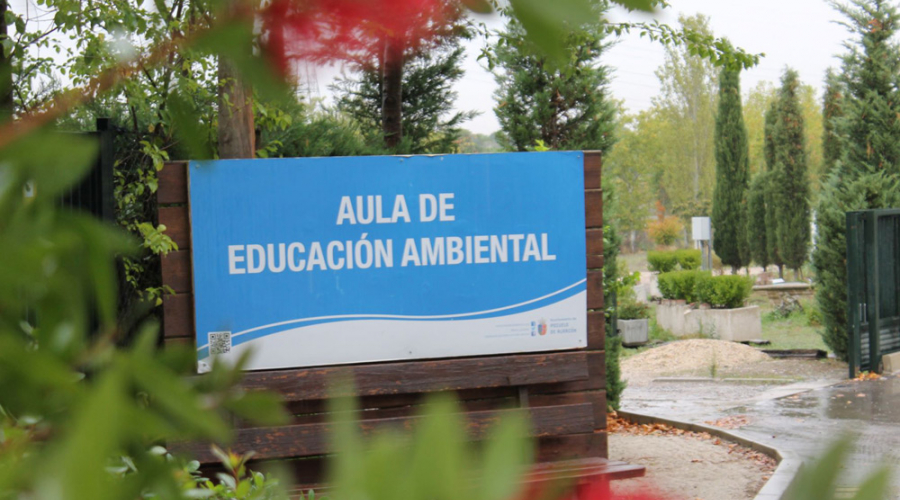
688,104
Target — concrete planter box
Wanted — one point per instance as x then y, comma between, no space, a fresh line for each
634,331
743,323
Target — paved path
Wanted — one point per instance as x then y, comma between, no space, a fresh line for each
803,418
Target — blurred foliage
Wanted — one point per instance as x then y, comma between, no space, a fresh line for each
436,461
819,481
71,401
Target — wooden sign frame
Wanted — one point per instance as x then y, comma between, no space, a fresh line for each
562,392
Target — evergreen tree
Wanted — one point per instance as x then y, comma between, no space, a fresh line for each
401,94
729,213
756,219
771,217
831,114
790,181
867,175
567,107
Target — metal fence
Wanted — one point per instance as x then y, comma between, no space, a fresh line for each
873,287
95,193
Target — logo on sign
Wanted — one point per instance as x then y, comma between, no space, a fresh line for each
538,328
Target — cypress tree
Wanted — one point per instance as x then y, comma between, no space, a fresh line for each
831,114
771,188
566,106
729,213
756,219
868,170
790,178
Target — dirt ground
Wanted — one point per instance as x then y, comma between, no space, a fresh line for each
688,468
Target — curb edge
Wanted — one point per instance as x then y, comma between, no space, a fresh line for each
789,463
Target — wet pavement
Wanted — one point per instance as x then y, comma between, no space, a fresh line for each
803,417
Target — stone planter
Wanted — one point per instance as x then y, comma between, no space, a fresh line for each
740,324
634,332
670,316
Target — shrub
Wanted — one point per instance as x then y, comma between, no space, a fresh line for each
614,382
681,285
724,291
633,309
665,231
688,259
662,262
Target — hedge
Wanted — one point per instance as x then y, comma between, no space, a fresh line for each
664,262
681,285
727,292
688,259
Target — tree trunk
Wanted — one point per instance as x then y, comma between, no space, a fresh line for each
236,134
781,271
6,82
237,137
392,93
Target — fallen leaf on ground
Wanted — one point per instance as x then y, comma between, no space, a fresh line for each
730,422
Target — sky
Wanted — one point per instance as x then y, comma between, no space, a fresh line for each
801,34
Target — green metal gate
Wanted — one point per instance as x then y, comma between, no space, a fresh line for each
873,287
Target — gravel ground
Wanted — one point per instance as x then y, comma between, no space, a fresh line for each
705,357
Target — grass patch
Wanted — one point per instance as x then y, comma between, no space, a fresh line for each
797,331
635,261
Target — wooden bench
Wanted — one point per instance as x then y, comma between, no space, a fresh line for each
563,393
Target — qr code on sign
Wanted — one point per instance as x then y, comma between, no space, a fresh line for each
219,342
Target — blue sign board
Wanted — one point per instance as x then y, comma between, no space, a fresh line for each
322,261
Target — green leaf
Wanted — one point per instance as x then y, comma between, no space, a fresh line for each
235,41
173,399
188,128
36,157
506,455
78,469
478,6
643,5
264,408
876,486
547,22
